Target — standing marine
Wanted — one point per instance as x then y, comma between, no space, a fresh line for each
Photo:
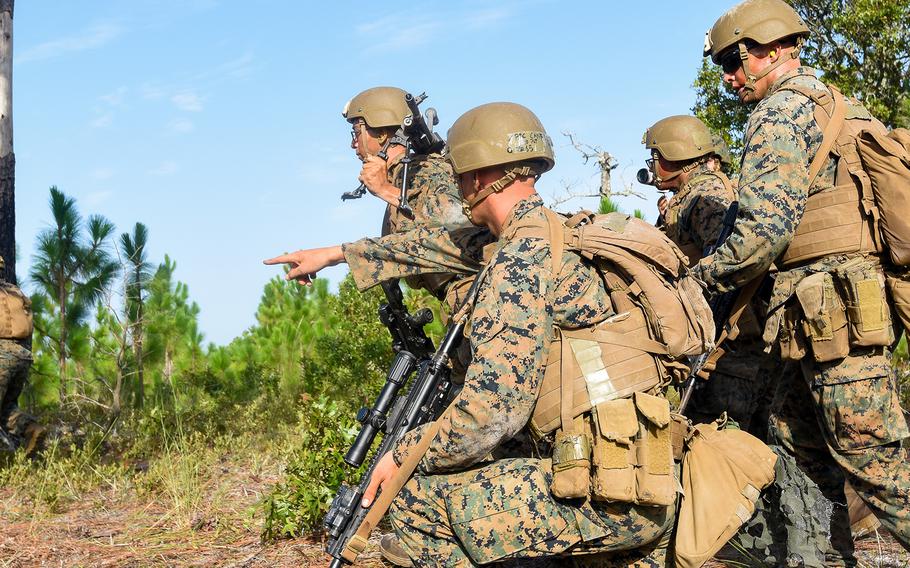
17,428
802,206
686,161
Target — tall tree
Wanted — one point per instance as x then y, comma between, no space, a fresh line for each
7,158
72,270
138,274
861,46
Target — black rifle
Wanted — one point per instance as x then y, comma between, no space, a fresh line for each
720,304
415,134
394,415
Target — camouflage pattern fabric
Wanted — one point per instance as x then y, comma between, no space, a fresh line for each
504,509
426,250
695,213
853,433
856,427
790,526
433,195
15,362
694,219
434,199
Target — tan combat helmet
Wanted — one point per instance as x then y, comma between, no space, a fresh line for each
761,21
680,138
379,107
498,134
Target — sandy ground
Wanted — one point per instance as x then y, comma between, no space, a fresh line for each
108,528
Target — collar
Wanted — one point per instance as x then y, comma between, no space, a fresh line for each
799,72
521,210
699,171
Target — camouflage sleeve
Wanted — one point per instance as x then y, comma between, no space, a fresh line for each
420,251
509,328
773,190
441,206
706,216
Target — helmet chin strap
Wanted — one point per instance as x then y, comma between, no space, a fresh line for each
751,77
495,187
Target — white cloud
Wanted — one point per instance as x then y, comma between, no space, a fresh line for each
93,37
166,168
103,173
102,120
96,198
116,97
181,126
407,29
187,101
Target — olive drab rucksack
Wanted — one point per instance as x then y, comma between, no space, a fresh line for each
868,209
661,314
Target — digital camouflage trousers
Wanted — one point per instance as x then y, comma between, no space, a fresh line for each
503,512
15,361
842,420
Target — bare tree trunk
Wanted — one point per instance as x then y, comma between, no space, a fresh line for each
137,344
7,158
61,350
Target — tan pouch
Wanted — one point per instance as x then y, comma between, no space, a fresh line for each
791,336
868,312
15,313
723,474
616,427
655,483
572,462
899,289
824,317
633,451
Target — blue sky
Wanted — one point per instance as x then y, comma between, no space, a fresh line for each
218,125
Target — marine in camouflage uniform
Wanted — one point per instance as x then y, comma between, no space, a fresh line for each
856,426
17,428
685,159
461,510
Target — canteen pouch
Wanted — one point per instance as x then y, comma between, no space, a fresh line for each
868,313
899,289
616,427
15,313
791,336
572,462
633,451
824,320
655,483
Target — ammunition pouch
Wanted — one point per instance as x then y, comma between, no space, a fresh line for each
633,451
824,318
840,310
868,313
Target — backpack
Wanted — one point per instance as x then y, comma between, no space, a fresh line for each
15,313
886,159
872,162
662,315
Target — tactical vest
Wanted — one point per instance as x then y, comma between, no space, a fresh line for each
843,218
679,228
602,386
15,313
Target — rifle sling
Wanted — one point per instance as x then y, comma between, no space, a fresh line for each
381,505
742,301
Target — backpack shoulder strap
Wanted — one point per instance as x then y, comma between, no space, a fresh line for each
833,99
